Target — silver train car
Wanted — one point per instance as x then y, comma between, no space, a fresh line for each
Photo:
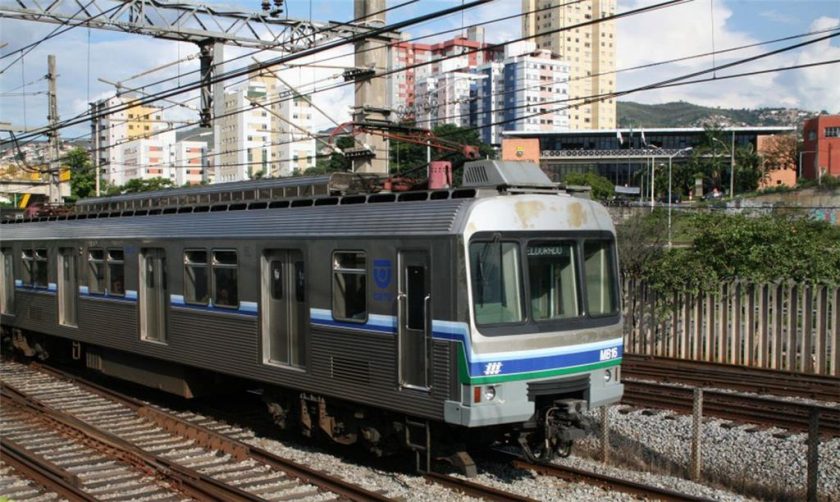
433,320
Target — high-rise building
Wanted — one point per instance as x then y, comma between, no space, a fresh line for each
444,99
118,128
516,93
258,141
589,50
457,54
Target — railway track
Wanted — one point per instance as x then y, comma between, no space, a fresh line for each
743,408
728,376
611,483
124,436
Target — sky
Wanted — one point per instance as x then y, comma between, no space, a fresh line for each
695,27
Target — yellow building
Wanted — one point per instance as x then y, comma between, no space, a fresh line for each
141,121
589,50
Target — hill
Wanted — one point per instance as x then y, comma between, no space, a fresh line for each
682,114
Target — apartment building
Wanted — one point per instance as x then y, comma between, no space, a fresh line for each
461,53
444,99
118,128
527,91
189,160
272,138
146,158
590,51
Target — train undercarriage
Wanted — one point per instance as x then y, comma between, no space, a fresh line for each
550,432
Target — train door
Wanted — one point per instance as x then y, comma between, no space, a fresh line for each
153,295
415,322
285,317
7,291
68,286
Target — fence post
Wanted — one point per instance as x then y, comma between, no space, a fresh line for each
710,326
835,342
605,434
778,301
750,333
790,336
806,364
723,326
687,303
822,331
813,453
762,345
696,345
696,432
675,322
735,325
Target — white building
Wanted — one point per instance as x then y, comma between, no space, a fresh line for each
255,141
189,161
526,92
146,158
120,127
444,99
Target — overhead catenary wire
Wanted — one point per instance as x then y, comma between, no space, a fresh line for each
271,62
187,125
282,60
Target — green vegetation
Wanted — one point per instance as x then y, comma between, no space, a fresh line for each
140,185
682,114
410,159
337,162
82,174
602,188
729,247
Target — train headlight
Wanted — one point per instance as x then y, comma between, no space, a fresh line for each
489,392
607,375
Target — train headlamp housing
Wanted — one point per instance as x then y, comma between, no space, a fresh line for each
607,375
489,392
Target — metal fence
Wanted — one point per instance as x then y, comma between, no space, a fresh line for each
793,327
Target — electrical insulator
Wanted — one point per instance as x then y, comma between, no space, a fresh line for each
266,5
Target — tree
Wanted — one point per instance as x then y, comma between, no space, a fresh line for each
602,188
82,174
337,162
780,152
409,158
141,185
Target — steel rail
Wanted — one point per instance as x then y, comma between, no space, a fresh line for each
770,412
608,482
729,376
186,480
473,489
211,439
42,471
612,483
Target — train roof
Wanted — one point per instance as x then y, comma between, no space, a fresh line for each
432,217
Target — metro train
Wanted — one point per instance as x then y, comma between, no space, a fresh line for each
430,320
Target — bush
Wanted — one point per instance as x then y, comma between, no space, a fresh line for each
602,188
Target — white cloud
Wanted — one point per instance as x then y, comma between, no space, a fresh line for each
687,29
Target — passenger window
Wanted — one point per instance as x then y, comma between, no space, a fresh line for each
40,264
116,272
226,293
195,285
96,271
349,286
600,277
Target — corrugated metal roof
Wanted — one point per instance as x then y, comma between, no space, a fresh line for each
214,188
401,218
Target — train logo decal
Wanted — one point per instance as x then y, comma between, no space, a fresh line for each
492,368
382,273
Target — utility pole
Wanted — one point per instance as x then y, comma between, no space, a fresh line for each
371,93
55,149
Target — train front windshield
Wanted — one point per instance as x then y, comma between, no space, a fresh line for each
542,281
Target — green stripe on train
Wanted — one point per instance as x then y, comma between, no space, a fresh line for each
465,378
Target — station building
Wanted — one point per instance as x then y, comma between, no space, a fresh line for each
622,155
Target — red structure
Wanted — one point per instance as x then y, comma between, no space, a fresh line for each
821,148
